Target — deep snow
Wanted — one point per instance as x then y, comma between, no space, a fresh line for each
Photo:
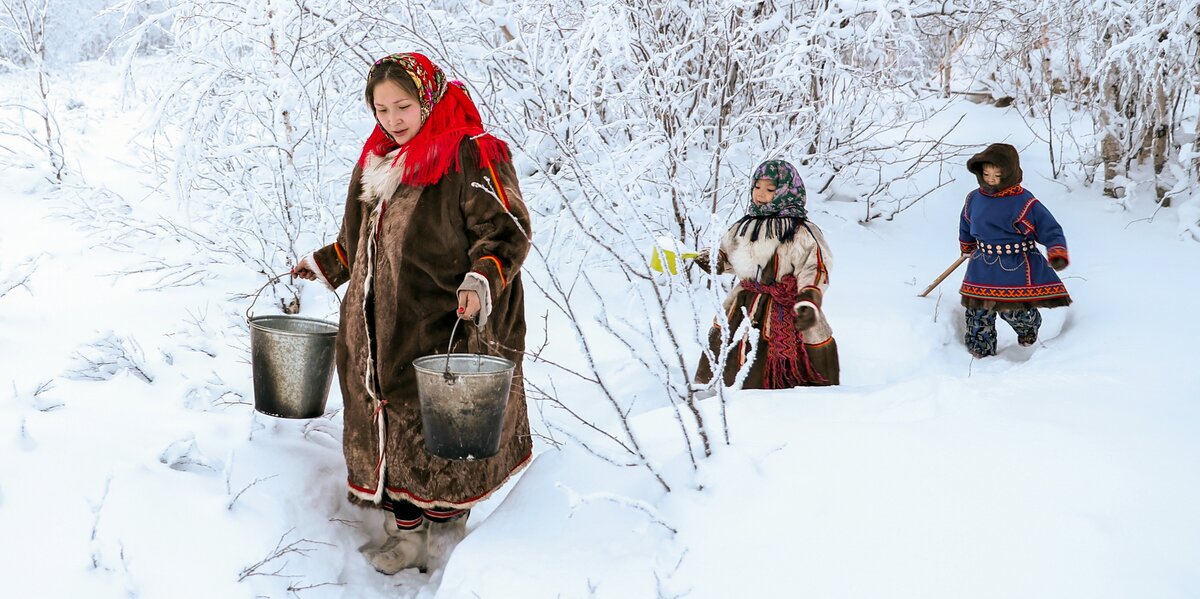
1068,469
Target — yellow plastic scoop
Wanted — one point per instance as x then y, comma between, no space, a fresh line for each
667,255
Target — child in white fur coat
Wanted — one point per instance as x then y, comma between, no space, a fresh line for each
782,263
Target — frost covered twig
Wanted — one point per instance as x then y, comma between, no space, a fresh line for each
97,508
280,552
296,589
107,357
18,276
256,160
42,404
233,500
576,500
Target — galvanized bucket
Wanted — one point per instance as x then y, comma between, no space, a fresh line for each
463,399
292,360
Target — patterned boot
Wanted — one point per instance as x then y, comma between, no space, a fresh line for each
981,332
404,549
1026,324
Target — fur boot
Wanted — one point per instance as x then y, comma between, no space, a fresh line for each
389,527
443,538
403,549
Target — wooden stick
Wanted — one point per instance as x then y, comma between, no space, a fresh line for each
942,277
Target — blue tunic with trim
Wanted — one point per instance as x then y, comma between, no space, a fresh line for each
1001,231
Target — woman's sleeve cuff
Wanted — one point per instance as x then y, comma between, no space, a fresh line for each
482,288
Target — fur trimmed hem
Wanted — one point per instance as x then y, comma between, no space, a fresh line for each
362,497
981,304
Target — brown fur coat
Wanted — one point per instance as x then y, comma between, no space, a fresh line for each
405,259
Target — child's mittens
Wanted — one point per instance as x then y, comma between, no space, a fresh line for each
704,261
807,304
806,315
1058,257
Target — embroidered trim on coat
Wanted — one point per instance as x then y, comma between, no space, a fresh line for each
1014,294
1057,251
1025,226
499,187
499,268
1011,191
425,503
341,254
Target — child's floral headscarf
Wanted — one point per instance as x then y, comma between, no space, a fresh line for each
790,196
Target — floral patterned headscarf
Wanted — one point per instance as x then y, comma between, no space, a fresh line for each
448,116
790,196
426,76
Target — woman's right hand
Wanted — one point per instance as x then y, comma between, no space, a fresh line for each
305,269
308,270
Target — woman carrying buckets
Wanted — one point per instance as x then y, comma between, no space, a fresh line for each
435,230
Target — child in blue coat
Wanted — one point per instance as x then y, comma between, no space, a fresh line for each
1000,227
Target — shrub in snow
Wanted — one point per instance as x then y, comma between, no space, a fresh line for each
107,357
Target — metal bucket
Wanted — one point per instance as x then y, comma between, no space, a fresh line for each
463,398
292,359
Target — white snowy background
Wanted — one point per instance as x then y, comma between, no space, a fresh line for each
160,160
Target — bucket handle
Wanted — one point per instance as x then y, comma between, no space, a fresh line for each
273,280
446,376
263,288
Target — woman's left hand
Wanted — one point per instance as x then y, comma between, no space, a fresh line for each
468,304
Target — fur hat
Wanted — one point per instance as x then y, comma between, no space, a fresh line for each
1002,155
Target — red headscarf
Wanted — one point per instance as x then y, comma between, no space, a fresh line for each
447,116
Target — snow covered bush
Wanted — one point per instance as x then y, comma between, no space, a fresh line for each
255,116
1128,67
25,42
639,121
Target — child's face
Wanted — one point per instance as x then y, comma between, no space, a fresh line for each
992,175
763,192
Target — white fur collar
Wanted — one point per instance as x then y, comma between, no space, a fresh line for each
748,258
380,178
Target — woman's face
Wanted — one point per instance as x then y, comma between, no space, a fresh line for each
399,113
763,192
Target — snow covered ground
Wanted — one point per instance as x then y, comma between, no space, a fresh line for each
1068,469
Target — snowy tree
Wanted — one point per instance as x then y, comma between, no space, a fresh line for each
1130,67
638,121
265,96
23,37
1140,108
